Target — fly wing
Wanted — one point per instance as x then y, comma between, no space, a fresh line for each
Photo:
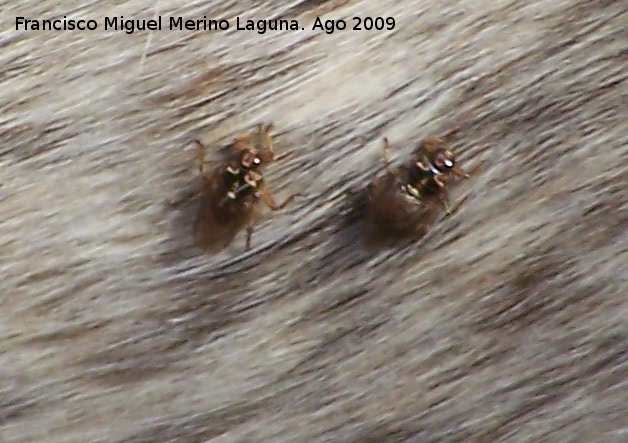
392,212
212,232
218,219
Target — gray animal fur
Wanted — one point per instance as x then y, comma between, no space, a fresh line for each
506,323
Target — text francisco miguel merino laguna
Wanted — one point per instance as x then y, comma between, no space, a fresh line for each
174,23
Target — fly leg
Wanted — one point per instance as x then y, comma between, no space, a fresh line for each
462,201
264,131
385,158
456,207
201,160
176,201
248,141
269,200
432,143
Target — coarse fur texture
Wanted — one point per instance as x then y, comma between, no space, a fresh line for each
506,323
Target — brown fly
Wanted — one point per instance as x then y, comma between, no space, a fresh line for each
233,189
404,202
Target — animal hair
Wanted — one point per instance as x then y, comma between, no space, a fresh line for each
505,323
